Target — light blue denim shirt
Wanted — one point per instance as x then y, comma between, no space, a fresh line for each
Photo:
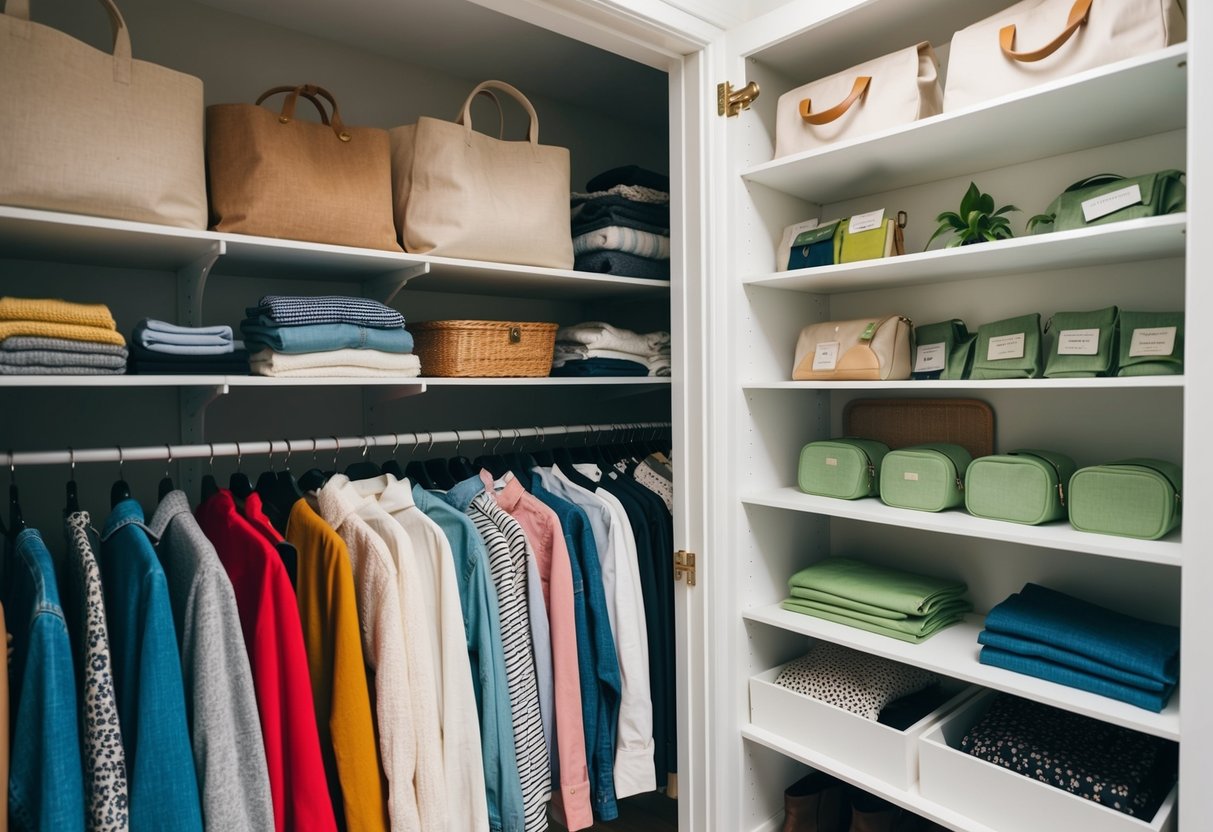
46,780
162,784
323,337
503,786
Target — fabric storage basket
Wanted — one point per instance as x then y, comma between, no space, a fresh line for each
1008,349
1151,344
943,350
1131,498
1084,344
844,468
484,348
924,477
902,423
869,349
1044,40
1002,799
1024,486
1107,197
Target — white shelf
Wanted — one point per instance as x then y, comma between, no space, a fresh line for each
1131,241
953,652
1074,113
935,385
1060,536
421,383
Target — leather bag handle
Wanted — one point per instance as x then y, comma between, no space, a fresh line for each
19,9
859,89
312,93
1079,13
465,115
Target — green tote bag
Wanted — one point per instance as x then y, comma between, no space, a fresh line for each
1084,344
1008,349
943,350
1151,344
1107,197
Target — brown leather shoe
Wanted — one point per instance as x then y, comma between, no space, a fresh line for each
813,804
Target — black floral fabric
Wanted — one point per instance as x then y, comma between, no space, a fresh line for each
849,679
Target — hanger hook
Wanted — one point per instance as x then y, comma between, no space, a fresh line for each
211,462
500,434
71,463
366,445
337,450
396,447
271,459
539,433
517,443
431,447
458,442
239,457
168,465
286,463
313,452
120,462
12,467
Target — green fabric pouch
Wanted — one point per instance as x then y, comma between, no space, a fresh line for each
843,468
1008,349
924,477
816,247
943,350
886,240
1107,197
1084,344
1151,344
1131,498
1024,486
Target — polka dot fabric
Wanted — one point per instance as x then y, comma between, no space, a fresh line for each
852,680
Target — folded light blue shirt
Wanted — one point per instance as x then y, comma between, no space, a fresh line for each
325,338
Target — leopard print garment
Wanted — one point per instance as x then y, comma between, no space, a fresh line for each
104,760
852,680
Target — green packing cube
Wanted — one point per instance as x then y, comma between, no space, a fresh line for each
924,477
1108,197
1131,498
1024,486
943,350
1084,344
1151,344
1008,349
844,468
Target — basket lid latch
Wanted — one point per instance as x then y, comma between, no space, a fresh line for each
515,334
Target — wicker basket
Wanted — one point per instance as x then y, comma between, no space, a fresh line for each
900,423
484,348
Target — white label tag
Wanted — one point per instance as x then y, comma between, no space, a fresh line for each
931,357
1154,341
1101,206
826,356
1005,346
831,461
866,222
911,476
1078,342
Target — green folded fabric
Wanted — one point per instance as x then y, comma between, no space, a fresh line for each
940,603
913,630
891,590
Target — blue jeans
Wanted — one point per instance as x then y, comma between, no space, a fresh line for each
324,337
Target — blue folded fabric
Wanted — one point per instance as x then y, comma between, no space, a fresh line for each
1034,649
302,310
1110,638
324,338
623,264
592,367
1068,676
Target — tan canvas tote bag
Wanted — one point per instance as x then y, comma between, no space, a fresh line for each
1043,40
274,175
894,89
89,132
460,193
869,349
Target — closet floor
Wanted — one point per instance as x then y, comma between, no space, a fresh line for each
653,812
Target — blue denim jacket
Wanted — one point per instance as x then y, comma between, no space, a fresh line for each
503,785
147,677
601,683
324,337
46,780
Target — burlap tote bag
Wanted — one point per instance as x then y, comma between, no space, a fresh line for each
459,193
274,175
89,132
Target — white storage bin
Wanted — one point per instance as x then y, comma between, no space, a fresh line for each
1005,800
865,744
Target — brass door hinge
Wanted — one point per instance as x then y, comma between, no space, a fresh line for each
730,102
684,564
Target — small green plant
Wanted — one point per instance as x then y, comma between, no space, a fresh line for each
976,221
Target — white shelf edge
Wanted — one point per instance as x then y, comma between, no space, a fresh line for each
65,381
1061,537
930,385
953,652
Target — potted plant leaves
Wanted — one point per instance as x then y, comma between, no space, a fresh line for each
976,221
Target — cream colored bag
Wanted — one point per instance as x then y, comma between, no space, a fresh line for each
1043,40
459,193
897,88
870,349
88,132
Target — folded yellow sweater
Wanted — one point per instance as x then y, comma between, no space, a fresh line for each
71,332
55,311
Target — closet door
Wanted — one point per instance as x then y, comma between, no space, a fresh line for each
1132,118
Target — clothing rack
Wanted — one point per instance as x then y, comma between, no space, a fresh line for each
210,450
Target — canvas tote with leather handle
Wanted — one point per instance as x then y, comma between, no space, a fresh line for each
460,193
870,349
273,175
894,89
89,132
1042,40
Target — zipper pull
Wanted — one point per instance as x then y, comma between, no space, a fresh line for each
1061,493
960,486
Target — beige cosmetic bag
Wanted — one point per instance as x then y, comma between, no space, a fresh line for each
869,349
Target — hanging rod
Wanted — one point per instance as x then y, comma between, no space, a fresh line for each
275,446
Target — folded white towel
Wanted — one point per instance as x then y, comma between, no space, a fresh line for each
603,336
580,352
356,363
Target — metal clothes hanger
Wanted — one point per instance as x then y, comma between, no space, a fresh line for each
418,473
166,482
460,467
392,466
16,520
209,486
72,498
363,469
239,483
120,490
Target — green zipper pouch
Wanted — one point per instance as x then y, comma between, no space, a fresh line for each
820,246
1131,498
843,468
1084,344
943,350
1025,486
1107,197
924,477
1151,344
1008,349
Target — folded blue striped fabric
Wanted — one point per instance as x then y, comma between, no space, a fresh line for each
1068,676
1057,655
1049,617
298,310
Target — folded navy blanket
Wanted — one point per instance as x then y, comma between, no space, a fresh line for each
605,211
1036,650
600,367
629,175
622,264
1111,638
297,310
1061,674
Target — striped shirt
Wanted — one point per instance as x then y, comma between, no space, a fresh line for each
295,310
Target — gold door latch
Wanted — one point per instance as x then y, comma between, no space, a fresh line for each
730,102
684,564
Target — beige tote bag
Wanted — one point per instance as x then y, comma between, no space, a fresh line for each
274,175
895,89
1043,40
870,349
89,132
459,193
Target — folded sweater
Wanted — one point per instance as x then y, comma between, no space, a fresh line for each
62,358
636,193
629,175
612,209
50,310
23,343
296,310
154,334
70,332
1062,674
334,363
627,240
622,264
603,336
325,337
599,367
1047,652
59,370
